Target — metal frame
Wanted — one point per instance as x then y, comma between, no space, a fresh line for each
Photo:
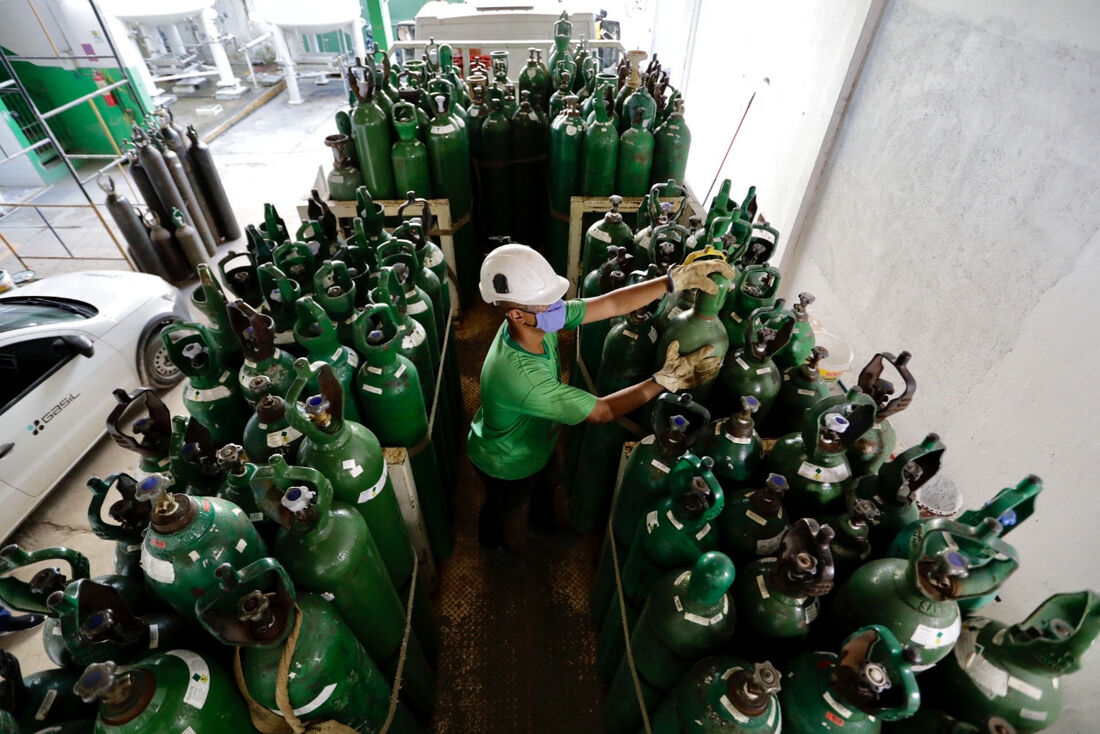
67,159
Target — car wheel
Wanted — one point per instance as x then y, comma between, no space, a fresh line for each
156,368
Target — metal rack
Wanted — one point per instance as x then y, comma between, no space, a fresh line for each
14,85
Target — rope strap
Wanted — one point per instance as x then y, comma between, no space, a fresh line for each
622,610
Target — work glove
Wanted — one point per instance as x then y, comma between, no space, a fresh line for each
685,371
696,275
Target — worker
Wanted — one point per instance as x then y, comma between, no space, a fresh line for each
523,400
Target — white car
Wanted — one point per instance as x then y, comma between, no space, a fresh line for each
65,343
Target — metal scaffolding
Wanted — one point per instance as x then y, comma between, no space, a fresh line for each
15,86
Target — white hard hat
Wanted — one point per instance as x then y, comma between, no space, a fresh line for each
518,274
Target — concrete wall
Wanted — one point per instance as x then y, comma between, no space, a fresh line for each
957,218
798,58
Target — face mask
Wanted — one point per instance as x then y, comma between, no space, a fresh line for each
553,318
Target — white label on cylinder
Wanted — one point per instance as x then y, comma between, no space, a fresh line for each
679,605
652,335
255,516
837,473
763,588
1033,715
154,636
374,370
370,493
651,521
675,312
659,466
570,130
755,518
157,568
732,710
764,370
373,389
743,440
417,307
1025,688
433,258
812,611
194,556
209,394
280,438
936,637
198,680
400,371
599,234
328,596
241,545
804,391
735,316
742,363
835,705
442,129
356,471
696,619
988,678
247,363
672,519
47,702
629,334
703,533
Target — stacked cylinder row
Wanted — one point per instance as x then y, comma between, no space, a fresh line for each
263,531
768,516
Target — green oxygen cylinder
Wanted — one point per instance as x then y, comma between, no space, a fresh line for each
172,691
258,609
655,210
371,132
722,695
736,447
610,231
671,143
451,73
316,332
852,543
408,155
130,520
628,351
350,457
800,390
150,433
753,523
699,327
563,33
1014,672
212,394
870,681
610,276
640,98
344,178
916,598
95,623
259,245
193,468
268,432
476,113
688,614
41,700
802,341
388,388
449,161
567,132
274,228
414,340
535,80
297,261
557,99
673,534
327,548
635,157
813,461
187,538
894,490
494,165
209,299
600,154
778,597
876,446
335,290
256,333
757,286
280,293
1010,507
238,469
430,254
750,369
677,422
530,150
630,81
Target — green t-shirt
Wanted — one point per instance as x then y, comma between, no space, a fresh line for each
522,403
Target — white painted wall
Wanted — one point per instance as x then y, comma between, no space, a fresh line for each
957,218
796,57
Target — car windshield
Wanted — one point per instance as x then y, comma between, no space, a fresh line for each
21,312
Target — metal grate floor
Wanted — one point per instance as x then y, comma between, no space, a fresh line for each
517,653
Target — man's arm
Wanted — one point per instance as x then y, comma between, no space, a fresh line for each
625,401
624,300
695,274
